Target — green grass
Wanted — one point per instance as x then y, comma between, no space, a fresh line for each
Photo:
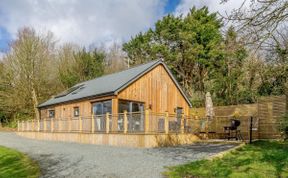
261,159
16,164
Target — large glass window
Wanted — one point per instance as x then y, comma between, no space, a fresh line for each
102,107
130,106
135,115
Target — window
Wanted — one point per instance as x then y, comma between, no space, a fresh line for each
99,109
51,113
135,115
130,106
76,112
70,90
102,107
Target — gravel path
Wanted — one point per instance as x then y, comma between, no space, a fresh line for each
60,159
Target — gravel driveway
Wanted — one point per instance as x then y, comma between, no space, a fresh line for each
60,159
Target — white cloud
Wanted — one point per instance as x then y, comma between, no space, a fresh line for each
213,5
93,21
82,22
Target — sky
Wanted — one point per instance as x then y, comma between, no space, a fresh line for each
93,22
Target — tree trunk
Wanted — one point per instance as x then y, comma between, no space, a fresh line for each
35,104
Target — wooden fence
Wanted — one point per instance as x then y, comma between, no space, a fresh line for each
265,123
136,122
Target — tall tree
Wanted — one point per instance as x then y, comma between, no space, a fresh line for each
27,77
188,44
80,65
227,74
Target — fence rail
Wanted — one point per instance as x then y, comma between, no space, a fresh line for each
149,122
135,122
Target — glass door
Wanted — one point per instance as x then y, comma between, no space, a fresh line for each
100,109
135,114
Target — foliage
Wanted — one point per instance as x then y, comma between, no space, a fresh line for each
80,66
27,73
189,45
227,73
16,164
259,159
283,127
34,69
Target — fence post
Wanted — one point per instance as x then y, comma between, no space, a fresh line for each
107,122
38,125
125,122
34,125
59,124
80,124
23,126
52,125
93,123
166,123
250,130
18,125
146,121
182,124
44,123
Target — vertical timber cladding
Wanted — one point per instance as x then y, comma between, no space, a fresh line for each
66,110
270,110
157,89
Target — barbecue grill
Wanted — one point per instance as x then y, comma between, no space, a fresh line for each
232,131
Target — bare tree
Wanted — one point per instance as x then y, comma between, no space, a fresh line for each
28,76
261,20
115,59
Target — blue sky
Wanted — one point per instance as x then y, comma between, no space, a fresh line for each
92,22
171,6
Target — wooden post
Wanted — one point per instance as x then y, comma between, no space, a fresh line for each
125,122
250,129
114,114
44,123
59,125
70,124
93,123
80,124
35,124
182,124
166,123
146,121
107,122
23,126
38,125
52,125
18,125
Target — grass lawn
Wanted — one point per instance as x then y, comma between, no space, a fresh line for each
16,164
260,159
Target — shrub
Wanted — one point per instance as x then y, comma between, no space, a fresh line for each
283,127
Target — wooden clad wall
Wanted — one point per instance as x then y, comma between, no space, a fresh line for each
158,89
67,110
155,88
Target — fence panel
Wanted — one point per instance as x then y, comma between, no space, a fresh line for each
87,124
100,123
135,122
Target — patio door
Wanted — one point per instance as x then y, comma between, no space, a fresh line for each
135,114
100,109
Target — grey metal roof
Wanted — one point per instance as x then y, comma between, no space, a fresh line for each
108,85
